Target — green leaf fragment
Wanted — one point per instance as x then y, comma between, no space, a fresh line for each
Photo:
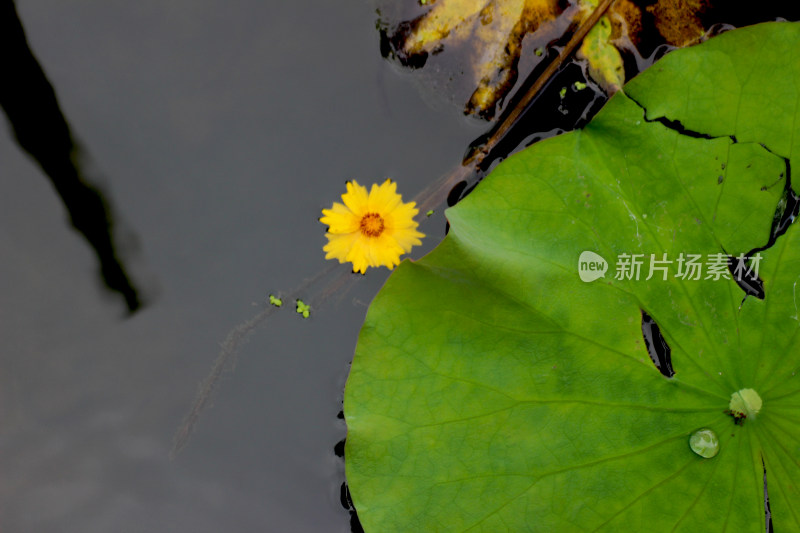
579,85
274,300
429,213
563,92
303,308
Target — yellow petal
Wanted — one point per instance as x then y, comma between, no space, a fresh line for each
383,198
384,251
355,198
359,255
340,219
407,238
339,246
402,216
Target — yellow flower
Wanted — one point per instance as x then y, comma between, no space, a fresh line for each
370,230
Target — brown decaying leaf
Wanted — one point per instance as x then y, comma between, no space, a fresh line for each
496,31
678,22
498,73
626,21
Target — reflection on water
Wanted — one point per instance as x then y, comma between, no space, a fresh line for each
31,106
222,130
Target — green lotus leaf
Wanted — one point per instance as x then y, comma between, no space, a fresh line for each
494,390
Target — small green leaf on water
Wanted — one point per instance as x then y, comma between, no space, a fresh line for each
563,92
429,213
579,86
277,302
605,61
704,442
303,308
538,52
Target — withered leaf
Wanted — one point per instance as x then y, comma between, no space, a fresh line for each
493,35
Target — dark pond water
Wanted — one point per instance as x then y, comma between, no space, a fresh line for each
217,131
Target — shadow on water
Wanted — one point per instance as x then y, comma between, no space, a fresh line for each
41,129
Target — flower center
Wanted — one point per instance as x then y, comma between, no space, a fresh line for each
371,225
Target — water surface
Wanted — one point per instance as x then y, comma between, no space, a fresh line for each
217,131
